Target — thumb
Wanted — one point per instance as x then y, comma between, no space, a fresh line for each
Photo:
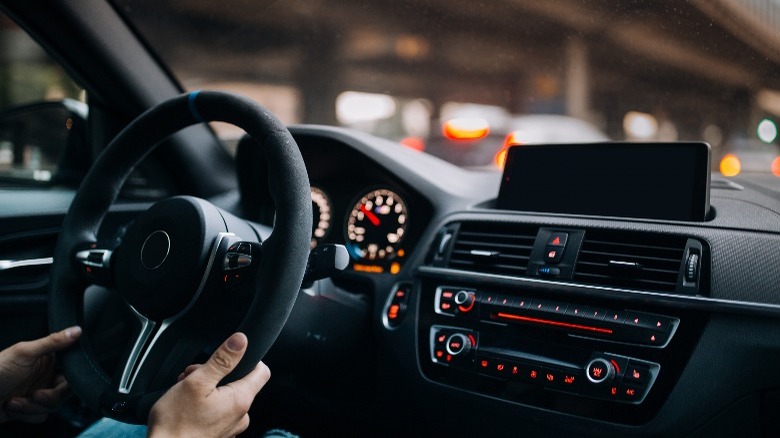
54,342
222,362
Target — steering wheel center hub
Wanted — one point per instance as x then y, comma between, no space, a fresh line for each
155,250
163,256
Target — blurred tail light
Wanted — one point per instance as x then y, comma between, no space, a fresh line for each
512,139
730,165
467,128
415,143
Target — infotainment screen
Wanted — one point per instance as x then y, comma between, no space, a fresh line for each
641,180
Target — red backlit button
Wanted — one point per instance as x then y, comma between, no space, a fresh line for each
557,239
446,306
636,374
559,308
534,374
630,392
501,369
600,370
490,298
484,364
392,312
447,294
553,254
552,377
577,310
514,370
596,313
571,379
615,316
522,303
504,300
650,337
635,319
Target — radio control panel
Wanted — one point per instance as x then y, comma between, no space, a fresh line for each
609,324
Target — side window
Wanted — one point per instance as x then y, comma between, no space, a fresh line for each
42,115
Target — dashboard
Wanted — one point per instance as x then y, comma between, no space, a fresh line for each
565,324
356,202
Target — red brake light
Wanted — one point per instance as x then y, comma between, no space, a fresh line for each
467,128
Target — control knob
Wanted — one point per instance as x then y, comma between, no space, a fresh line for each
458,344
600,371
465,300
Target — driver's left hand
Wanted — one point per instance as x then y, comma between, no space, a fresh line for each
30,388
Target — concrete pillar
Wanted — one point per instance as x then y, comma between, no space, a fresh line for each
577,79
318,81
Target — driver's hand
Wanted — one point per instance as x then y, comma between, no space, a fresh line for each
29,387
197,407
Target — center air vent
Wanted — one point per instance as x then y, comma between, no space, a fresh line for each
631,260
493,248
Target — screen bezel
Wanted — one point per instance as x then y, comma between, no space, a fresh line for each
700,189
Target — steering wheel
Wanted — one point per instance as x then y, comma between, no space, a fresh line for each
190,272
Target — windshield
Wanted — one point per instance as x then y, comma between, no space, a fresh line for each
461,79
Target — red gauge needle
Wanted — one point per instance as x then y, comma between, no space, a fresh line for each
371,216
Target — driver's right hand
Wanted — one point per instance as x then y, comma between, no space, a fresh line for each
197,407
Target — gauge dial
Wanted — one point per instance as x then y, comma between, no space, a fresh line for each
321,215
376,225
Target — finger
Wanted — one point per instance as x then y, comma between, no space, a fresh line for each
222,362
242,425
188,371
54,342
247,388
52,397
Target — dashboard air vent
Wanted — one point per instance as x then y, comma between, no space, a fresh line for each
630,260
493,248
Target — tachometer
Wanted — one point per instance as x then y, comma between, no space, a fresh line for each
376,225
321,214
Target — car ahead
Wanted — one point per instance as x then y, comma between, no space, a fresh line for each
526,129
459,310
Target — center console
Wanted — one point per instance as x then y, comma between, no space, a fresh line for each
549,335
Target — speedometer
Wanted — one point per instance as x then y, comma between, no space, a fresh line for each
376,225
321,214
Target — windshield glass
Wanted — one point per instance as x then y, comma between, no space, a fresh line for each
460,79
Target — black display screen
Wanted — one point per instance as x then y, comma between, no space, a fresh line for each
642,180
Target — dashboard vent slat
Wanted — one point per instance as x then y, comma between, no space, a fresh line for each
493,248
630,260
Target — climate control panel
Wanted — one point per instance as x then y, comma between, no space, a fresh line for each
601,375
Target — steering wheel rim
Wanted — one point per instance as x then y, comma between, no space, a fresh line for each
278,278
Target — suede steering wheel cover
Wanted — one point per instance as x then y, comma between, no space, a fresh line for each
285,252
